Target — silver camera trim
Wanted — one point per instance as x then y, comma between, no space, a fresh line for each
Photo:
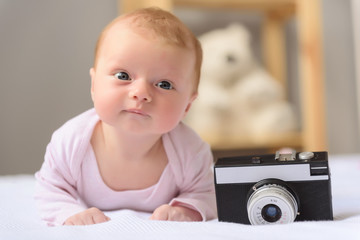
249,174
272,194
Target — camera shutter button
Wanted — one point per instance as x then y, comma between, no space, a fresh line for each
306,155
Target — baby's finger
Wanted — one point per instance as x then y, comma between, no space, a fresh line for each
162,216
100,218
69,223
161,213
75,221
88,220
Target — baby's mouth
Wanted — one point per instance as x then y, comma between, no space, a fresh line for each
137,112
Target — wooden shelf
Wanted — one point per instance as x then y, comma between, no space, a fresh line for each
262,5
291,139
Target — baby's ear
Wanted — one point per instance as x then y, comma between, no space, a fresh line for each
92,76
193,97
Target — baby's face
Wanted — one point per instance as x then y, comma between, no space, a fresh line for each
141,84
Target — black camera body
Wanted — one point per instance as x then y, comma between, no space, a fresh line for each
267,189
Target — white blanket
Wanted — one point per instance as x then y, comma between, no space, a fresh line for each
19,220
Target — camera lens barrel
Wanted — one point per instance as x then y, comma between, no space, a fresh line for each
272,203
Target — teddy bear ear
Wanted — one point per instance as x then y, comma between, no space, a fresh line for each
239,29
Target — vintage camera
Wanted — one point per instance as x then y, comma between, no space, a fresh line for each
268,189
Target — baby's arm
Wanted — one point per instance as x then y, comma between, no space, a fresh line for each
56,194
196,198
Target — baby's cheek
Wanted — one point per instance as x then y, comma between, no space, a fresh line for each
105,107
171,116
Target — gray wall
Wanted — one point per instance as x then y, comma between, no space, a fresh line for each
46,50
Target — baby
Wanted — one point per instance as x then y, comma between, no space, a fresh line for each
132,151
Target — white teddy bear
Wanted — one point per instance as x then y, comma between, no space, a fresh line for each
236,95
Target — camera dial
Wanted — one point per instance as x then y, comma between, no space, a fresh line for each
272,202
306,155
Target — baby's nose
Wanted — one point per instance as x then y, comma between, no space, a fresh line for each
140,91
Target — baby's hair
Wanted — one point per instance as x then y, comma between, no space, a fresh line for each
162,25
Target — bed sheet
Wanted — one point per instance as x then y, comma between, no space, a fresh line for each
19,219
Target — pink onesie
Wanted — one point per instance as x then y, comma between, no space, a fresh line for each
69,180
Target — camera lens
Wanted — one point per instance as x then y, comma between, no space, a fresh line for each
271,213
271,203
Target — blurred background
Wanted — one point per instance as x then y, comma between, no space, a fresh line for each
47,49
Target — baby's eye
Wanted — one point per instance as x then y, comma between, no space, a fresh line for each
165,85
122,76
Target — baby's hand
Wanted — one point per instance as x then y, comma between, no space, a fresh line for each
175,213
87,217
